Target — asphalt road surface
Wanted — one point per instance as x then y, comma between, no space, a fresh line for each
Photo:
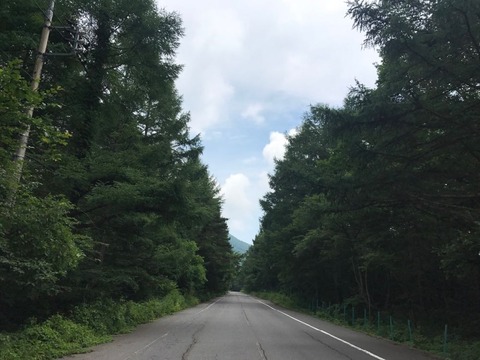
240,327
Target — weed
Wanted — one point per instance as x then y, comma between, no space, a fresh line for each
87,325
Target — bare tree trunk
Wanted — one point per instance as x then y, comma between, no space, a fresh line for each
37,71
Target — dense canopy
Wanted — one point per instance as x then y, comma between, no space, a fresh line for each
377,203
113,202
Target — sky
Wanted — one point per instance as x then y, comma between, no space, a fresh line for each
252,69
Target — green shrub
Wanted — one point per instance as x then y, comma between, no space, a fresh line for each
54,338
464,350
104,317
88,325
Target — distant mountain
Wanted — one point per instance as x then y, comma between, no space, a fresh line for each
238,246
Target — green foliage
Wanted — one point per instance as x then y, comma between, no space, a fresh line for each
19,25
37,244
87,326
52,339
113,317
15,99
464,351
377,201
37,249
114,203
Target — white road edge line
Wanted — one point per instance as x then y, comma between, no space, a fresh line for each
146,346
153,342
324,332
208,307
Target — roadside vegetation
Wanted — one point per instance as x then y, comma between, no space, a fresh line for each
111,219
85,326
376,205
430,338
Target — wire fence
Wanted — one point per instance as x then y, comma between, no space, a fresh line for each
440,339
385,325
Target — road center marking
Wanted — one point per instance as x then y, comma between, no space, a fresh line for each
324,332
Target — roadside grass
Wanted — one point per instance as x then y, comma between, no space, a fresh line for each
429,339
86,326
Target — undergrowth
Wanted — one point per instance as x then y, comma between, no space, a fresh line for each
85,326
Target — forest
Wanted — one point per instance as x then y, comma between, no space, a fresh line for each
111,201
376,204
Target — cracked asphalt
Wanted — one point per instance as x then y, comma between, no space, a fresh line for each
240,327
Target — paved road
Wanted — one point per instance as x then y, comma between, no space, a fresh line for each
240,327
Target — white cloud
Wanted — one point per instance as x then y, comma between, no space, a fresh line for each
249,63
223,33
238,204
241,191
276,148
253,112
214,93
263,182
241,207
234,190
245,51
292,132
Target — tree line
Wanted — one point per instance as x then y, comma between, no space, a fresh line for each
377,202
114,201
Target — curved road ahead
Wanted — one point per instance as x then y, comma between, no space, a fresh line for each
240,327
